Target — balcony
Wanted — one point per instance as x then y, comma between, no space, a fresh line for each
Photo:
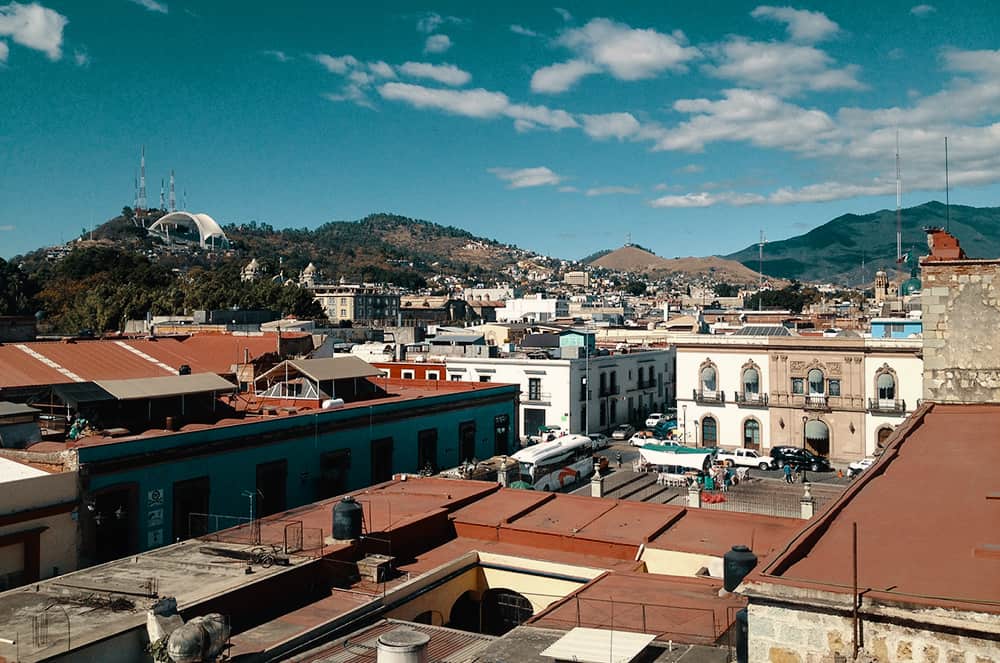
613,390
708,397
536,398
750,400
646,384
816,402
887,406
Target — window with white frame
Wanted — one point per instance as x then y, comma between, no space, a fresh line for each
407,373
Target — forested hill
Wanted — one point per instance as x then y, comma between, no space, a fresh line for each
834,251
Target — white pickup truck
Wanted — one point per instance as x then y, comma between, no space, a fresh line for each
745,457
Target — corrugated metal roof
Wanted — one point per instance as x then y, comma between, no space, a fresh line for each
74,393
171,385
327,368
599,646
8,409
762,330
446,645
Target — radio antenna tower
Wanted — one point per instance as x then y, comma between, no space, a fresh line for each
142,179
899,206
162,201
184,199
760,269
135,190
173,196
947,200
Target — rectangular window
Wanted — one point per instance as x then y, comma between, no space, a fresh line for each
484,378
834,387
798,386
407,374
456,378
534,389
334,467
272,480
190,510
583,389
433,375
427,441
381,459
501,434
467,440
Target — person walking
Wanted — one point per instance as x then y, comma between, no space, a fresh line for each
788,473
618,457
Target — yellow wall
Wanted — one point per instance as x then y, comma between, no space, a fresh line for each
673,563
58,543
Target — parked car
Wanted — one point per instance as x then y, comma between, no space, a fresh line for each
653,419
745,457
666,427
642,438
859,466
622,432
799,459
601,440
546,434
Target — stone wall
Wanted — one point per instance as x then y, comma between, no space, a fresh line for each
781,635
961,318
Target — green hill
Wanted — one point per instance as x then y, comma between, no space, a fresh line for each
834,251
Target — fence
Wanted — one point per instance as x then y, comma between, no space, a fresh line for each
289,536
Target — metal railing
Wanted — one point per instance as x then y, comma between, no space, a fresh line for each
702,396
816,402
746,399
536,397
887,406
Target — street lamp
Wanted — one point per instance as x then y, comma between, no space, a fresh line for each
804,419
586,392
696,443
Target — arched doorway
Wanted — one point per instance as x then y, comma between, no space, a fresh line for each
503,610
817,437
751,434
709,432
464,614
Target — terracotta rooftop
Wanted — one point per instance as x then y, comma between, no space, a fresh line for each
928,517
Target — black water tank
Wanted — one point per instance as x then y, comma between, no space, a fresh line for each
347,517
736,564
742,636
184,370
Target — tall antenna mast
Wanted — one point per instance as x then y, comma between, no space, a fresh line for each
947,188
184,199
760,269
142,179
899,205
161,195
173,196
135,189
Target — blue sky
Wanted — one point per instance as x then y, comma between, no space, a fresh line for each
561,128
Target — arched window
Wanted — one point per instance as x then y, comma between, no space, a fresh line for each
883,435
816,382
886,387
751,382
709,432
817,436
708,382
751,434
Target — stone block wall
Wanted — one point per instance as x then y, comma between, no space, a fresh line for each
960,301
782,635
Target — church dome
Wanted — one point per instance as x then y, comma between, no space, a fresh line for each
909,286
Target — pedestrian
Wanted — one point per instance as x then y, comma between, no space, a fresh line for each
788,473
618,457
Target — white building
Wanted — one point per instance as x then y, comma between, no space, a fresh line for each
498,294
623,387
838,397
533,308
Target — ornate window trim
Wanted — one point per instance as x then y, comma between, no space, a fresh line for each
886,369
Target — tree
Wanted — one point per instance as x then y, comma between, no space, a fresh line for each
17,290
726,290
636,288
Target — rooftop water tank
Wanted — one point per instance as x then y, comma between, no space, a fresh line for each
403,645
347,519
201,639
736,564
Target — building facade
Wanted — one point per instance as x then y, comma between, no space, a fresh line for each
836,397
623,388
356,303
536,308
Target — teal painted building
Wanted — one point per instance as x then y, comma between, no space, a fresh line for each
142,493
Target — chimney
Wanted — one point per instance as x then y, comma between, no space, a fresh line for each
403,645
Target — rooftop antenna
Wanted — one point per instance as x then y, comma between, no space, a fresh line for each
628,239
161,195
760,269
899,204
142,179
135,190
184,200
947,187
173,196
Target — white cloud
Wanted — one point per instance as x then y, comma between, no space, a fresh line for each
431,21
152,5
628,53
447,74
478,103
779,66
81,58
382,69
280,56
33,26
705,199
802,25
6,228
973,62
612,190
437,44
610,125
690,169
561,76
527,177
756,117
521,30
922,10
353,93
565,15
568,189
336,65
4,52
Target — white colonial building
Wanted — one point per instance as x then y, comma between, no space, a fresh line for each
624,387
838,397
533,308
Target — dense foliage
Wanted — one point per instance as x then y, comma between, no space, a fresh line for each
793,298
